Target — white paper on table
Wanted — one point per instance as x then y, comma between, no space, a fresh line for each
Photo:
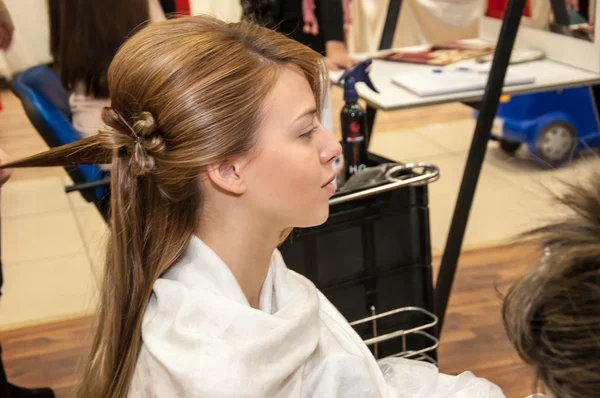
426,84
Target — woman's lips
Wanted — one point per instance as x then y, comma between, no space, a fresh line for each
332,179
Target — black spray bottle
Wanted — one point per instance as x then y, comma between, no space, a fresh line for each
354,119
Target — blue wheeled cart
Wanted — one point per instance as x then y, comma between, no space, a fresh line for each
554,124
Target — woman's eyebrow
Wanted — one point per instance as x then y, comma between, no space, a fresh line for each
308,112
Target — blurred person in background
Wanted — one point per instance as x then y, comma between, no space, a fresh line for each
91,32
319,24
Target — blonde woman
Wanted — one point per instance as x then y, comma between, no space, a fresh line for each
217,151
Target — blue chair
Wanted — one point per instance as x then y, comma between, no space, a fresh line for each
46,104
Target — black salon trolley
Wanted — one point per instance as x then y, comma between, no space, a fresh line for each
372,260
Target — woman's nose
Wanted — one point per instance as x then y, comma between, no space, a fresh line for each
331,149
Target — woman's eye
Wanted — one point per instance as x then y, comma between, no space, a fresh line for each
309,134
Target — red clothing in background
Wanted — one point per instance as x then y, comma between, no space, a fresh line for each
496,9
182,7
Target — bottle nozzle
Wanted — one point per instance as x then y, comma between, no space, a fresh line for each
358,73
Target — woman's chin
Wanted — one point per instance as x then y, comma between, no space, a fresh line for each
314,219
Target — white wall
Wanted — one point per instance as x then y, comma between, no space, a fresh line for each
31,42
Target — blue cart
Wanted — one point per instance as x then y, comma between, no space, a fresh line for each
554,125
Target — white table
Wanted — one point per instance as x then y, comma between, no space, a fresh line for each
549,75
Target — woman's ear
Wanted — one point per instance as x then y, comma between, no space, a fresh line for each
228,177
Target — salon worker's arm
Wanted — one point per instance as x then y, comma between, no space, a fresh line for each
331,21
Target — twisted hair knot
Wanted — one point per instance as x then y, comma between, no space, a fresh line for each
142,139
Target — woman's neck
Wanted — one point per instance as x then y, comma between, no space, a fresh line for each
245,246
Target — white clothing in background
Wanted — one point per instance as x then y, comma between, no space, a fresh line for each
540,15
87,114
420,22
86,111
201,338
429,21
368,18
227,10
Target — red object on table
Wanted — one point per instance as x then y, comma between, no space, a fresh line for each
496,9
182,7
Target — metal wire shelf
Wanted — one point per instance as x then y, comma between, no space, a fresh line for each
420,355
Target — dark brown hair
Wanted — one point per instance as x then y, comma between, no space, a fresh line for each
552,315
91,32
185,94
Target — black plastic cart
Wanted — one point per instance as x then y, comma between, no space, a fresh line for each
372,260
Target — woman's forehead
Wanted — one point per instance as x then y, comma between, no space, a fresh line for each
291,96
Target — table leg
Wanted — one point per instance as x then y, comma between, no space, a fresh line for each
489,107
473,104
371,113
389,27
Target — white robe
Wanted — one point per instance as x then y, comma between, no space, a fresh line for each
201,338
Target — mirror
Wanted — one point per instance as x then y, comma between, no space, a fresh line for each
572,18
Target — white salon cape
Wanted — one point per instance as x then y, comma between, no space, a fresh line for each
201,338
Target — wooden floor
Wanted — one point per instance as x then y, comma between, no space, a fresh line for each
473,337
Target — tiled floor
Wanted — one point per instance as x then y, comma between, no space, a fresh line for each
52,243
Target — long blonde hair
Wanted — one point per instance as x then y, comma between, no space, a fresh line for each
185,94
